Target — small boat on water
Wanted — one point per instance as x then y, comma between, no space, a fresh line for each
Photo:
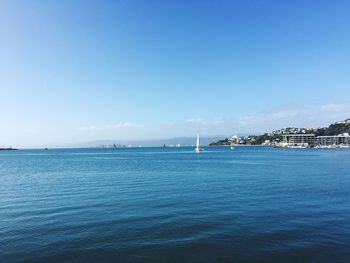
231,147
198,147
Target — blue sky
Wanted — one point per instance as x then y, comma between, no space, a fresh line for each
73,71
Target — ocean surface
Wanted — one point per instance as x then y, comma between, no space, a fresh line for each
250,204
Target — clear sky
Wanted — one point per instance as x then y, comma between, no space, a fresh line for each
74,71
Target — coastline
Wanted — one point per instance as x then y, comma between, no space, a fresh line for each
8,149
240,145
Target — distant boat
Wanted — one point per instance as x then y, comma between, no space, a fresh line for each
198,147
232,147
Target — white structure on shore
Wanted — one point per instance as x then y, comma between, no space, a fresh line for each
341,140
297,140
310,140
234,140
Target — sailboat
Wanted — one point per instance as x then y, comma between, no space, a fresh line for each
198,147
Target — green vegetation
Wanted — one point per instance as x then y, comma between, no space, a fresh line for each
260,139
336,128
224,142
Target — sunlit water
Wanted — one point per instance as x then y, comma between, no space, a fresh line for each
250,204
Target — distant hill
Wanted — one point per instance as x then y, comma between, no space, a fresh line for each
336,128
183,141
332,130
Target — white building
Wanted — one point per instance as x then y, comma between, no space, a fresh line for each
337,140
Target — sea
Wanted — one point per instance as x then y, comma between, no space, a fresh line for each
249,204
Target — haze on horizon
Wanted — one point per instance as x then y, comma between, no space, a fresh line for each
76,71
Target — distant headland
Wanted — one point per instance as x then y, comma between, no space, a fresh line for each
7,149
336,134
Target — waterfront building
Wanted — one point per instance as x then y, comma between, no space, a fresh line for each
234,140
310,140
333,141
266,143
298,140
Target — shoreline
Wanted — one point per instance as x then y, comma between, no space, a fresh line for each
240,145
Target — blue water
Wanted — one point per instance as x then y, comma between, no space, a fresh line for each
250,204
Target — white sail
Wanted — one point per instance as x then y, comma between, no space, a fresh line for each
198,148
197,145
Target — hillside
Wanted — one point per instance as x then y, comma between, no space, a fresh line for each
275,136
337,128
